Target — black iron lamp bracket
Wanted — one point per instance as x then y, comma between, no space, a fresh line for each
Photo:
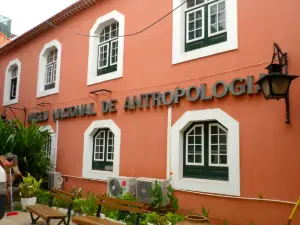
97,92
281,57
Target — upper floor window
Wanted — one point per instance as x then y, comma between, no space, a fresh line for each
12,83
50,75
205,151
49,69
108,49
204,27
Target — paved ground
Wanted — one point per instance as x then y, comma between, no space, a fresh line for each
22,218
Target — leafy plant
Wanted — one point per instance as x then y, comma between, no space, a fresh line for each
43,196
155,218
172,198
6,138
174,218
225,222
88,205
158,198
29,186
205,213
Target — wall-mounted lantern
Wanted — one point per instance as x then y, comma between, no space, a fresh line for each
277,83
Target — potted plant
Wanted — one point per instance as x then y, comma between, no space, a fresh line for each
29,189
197,218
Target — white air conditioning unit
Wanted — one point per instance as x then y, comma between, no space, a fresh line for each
55,180
144,186
116,184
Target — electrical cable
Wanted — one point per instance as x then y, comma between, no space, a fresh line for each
126,35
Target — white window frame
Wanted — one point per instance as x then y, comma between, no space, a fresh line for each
99,160
7,82
230,187
111,49
13,76
187,25
53,144
178,53
102,45
209,19
108,145
202,143
87,159
48,47
209,161
92,77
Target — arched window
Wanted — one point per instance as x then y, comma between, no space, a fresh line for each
12,83
205,151
50,75
106,49
103,150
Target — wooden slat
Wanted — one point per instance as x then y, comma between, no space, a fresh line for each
62,197
92,220
45,212
121,202
71,195
120,207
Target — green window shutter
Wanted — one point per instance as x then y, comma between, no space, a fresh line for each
107,144
206,41
204,171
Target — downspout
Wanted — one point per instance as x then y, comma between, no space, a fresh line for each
55,153
169,125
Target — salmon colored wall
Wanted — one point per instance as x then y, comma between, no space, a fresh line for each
269,149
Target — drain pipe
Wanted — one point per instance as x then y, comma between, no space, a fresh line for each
169,125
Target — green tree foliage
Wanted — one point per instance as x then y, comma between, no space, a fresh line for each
27,143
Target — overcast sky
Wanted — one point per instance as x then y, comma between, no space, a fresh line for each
26,14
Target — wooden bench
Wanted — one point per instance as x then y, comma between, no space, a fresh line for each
48,213
111,203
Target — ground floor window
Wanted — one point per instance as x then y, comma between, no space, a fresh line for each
205,151
103,150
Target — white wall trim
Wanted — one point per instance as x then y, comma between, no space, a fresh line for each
231,187
87,171
179,55
41,92
92,77
7,82
53,144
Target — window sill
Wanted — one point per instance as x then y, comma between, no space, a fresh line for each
47,92
10,102
208,186
105,77
98,175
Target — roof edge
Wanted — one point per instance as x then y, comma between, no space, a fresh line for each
56,20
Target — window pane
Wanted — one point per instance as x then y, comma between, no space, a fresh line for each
214,28
191,35
223,139
191,17
191,26
222,26
198,130
97,141
198,33
213,19
221,16
101,155
214,159
190,3
222,5
191,140
214,139
221,131
191,149
214,129
198,2
199,14
191,158
198,159
223,149
223,159
214,149
198,23
198,140
214,9
110,141
198,149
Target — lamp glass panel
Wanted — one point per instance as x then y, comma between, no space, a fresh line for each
266,87
280,85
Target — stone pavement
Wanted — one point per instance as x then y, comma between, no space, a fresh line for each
23,218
